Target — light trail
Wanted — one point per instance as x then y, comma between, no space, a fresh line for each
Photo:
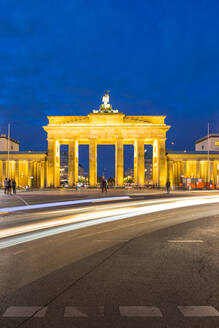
116,205
54,204
113,209
87,220
57,222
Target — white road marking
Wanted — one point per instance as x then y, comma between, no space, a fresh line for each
140,311
24,201
125,311
109,240
71,311
25,311
185,241
83,312
198,311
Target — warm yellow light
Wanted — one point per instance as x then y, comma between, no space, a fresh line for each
57,148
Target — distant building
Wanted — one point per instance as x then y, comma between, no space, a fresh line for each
64,167
205,143
129,173
197,168
6,143
148,166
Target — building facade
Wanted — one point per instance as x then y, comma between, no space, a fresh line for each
196,168
206,143
8,143
27,168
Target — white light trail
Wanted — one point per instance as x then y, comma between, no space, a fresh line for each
8,232
54,204
125,204
93,219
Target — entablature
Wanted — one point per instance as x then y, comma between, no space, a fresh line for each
192,157
105,119
23,156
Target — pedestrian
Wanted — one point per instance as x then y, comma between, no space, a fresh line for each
9,186
168,186
104,184
14,186
5,185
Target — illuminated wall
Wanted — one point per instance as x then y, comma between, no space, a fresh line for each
26,168
193,165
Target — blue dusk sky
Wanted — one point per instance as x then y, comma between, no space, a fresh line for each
157,57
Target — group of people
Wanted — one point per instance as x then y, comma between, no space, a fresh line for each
9,186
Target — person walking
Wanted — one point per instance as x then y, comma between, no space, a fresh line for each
9,187
14,186
168,186
103,184
5,185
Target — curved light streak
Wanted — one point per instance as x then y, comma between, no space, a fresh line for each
55,204
92,220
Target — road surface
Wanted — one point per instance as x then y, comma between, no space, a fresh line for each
135,262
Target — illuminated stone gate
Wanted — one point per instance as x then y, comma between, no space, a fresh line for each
106,126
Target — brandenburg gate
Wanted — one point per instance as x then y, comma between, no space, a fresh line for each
106,126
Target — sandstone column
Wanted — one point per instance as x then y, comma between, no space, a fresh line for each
26,172
50,176
162,175
31,173
57,164
119,174
17,173
174,174
1,174
42,174
38,174
92,162
214,172
155,163
72,163
139,162
53,179
170,172
35,174
198,169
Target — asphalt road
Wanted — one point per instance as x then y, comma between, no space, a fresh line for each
148,264
53,195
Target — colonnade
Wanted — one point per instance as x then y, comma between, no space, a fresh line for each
159,160
30,173
193,168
